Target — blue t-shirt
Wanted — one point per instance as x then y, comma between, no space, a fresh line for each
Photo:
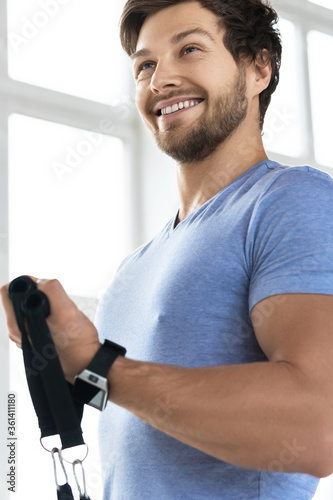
185,299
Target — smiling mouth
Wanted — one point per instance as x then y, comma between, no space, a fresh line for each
169,110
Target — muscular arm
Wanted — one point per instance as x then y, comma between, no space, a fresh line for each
275,415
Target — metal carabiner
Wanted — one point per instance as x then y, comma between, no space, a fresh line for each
82,491
54,452
64,491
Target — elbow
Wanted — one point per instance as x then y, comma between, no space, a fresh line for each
321,470
320,456
323,467
317,435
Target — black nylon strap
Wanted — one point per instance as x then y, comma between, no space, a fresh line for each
57,410
36,309
51,395
17,291
64,492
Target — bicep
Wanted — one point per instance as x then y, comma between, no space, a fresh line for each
297,329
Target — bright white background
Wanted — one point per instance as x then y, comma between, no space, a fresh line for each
82,182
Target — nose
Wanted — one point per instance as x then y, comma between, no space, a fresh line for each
165,78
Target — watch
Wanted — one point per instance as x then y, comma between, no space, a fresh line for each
91,385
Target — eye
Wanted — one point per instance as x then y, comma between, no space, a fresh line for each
144,66
190,49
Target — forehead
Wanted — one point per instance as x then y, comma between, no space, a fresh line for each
165,24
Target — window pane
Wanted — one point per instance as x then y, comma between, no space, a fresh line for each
282,128
66,204
67,46
324,3
321,77
325,489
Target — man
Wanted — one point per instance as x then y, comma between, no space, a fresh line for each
230,307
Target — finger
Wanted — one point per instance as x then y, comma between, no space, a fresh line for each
14,332
58,298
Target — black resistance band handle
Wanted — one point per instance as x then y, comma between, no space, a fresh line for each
17,291
36,309
56,410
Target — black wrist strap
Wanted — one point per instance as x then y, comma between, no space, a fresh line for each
98,367
105,357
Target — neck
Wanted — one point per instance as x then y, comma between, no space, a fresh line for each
199,182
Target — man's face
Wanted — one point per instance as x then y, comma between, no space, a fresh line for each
190,92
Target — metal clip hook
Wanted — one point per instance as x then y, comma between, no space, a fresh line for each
82,491
53,452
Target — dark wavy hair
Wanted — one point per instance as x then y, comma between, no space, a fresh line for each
250,32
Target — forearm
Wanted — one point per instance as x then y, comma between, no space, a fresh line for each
252,415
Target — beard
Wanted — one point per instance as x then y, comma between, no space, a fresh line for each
209,131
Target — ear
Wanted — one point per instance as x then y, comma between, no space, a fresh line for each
262,71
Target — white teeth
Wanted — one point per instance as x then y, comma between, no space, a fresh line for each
176,107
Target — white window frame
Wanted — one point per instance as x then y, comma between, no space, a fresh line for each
306,17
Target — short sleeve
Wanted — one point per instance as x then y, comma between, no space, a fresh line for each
290,236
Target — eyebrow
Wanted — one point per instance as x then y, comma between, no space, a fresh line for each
178,37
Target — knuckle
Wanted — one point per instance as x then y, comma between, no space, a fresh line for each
50,285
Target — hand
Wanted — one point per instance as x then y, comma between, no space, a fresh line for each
74,335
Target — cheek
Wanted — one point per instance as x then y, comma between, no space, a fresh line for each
141,98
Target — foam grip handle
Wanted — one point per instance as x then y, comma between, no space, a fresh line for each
36,302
